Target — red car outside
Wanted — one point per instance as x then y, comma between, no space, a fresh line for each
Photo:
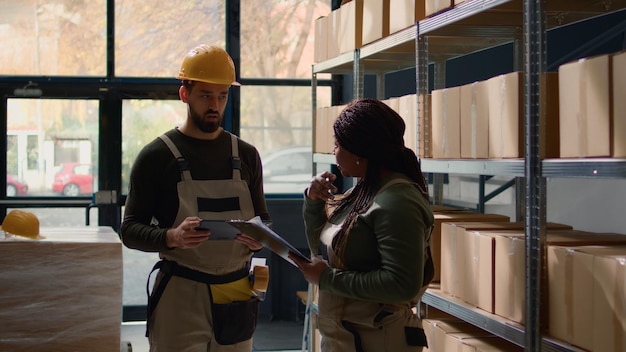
16,186
73,179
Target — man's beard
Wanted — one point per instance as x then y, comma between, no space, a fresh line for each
206,126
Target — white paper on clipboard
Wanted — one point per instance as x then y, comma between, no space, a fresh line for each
256,229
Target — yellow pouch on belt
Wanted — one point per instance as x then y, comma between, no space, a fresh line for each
239,290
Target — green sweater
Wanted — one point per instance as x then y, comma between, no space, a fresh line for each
385,252
153,195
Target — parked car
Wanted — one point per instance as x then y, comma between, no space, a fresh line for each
73,179
287,170
16,186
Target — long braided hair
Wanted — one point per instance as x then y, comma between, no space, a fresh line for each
370,129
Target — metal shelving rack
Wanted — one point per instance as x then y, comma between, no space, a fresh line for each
471,26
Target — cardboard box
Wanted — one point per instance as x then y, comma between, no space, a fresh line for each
375,23
446,123
320,130
425,126
587,293
470,257
510,268
435,6
405,13
443,255
321,39
487,344
334,27
584,103
475,120
550,142
407,108
63,292
350,31
437,331
619,104
505,116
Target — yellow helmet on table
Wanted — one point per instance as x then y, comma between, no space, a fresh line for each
21,223
210,64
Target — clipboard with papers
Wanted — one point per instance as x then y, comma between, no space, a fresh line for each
256,229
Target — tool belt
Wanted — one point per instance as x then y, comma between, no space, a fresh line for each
243,314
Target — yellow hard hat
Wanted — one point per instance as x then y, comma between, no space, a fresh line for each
210,64
21,223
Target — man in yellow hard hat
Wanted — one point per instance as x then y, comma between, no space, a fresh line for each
201,299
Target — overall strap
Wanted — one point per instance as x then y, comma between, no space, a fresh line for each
236,161
183,166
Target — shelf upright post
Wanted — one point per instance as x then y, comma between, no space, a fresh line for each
535,218
358,74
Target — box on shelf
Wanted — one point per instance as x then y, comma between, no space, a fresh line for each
425,126
375,22
475,121
333,23
587,288
467,259
435,6
446,123
320,125
584,103
63,292
407,108
350,35
510,269
405,13
505,116
321,39
440,254
619,104
438,330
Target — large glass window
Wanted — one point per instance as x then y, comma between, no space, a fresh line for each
52,147
143,121
277,37
152,36
53,37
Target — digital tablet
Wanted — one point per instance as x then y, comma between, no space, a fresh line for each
220,229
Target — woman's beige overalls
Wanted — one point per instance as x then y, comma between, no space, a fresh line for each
348,324
182,321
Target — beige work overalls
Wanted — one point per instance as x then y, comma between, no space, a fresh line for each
182,320
348,324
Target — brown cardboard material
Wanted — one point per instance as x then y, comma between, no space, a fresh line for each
435,6
444,251
405,13
510,270
425,126
475,120
63,292
407,108
505,116
321,39
459,268
437,330
350,31
333,32
584,103
586,293
619,104
375,23
446,123
488,344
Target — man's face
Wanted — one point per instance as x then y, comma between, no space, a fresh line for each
206,103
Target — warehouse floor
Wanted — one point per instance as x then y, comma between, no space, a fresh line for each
270,336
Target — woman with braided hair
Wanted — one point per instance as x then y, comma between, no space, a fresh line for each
371,257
